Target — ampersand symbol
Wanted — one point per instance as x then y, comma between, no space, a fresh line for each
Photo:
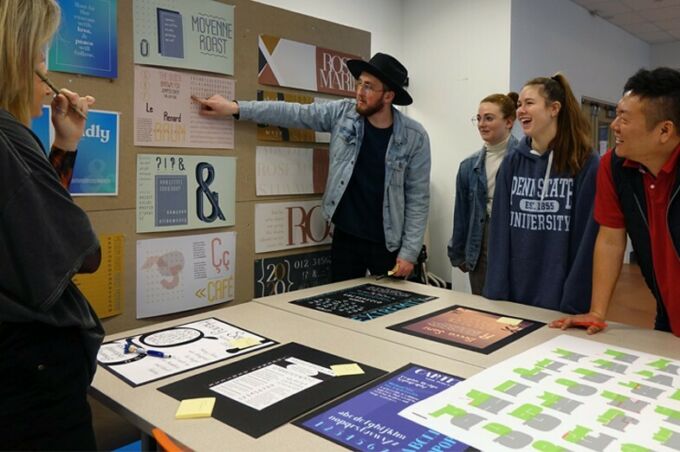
204,189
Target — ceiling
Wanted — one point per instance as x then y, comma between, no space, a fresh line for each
653,21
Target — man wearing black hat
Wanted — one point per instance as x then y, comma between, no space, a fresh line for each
378,188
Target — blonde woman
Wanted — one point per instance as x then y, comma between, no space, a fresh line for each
49,335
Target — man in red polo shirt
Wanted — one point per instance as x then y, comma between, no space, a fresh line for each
638,192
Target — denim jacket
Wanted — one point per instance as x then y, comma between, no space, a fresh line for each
469,212
406,197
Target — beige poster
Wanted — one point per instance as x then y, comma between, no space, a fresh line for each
290,171
291,224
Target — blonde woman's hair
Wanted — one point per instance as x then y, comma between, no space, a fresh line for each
26,27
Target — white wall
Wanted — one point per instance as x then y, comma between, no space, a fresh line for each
666,55
382,18
457,52
558,35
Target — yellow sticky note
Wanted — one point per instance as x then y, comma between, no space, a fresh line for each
195,408
244,342
509,321
340,370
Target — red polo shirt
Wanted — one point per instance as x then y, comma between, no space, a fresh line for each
658,191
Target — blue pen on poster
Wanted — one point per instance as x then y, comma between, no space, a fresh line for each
131,348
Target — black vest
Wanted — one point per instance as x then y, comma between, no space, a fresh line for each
631,191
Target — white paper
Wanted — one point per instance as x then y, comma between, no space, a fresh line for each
190,345
572,393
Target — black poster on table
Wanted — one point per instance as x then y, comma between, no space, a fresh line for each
365,302
260,393
276,275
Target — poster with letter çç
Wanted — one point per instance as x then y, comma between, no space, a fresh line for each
290,224
166,116
181,273
96,169
184,34
87,40
567,394
290,171
178,192
298,65
368,420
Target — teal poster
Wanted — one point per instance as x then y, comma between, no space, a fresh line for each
87,39
96,170
183,34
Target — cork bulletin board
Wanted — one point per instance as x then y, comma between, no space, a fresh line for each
116,214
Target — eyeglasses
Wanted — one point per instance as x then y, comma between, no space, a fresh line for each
477,120
367,87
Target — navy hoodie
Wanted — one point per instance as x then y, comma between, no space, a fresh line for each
542,236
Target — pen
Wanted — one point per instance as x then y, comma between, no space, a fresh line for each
586,323
56,91
130,348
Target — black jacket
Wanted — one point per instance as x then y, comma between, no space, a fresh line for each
631,191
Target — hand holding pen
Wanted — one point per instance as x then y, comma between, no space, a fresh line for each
69,112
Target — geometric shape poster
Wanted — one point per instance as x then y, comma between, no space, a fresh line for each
262,392
87,40
178,192
184,34
181,273
364,302
184,347
283,274
165,115
369,421
565,394
471,329
304,66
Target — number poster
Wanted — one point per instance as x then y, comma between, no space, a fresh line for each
567,394
275,275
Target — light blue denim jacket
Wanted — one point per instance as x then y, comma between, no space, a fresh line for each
406,197
469,213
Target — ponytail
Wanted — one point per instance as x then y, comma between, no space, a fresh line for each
571,145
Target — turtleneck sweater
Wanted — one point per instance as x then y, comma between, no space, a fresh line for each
494,157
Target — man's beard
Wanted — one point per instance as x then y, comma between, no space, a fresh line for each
369,110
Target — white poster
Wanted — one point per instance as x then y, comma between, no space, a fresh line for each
184,34
291,224
181,347
568,394
166,116
176,192
290,171
180,273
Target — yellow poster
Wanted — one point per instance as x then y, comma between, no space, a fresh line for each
104,288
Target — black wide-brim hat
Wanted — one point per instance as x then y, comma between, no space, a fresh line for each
390,71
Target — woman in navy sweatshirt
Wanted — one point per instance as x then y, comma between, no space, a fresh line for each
542,230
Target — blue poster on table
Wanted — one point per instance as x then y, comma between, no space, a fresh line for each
86,42
368,421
